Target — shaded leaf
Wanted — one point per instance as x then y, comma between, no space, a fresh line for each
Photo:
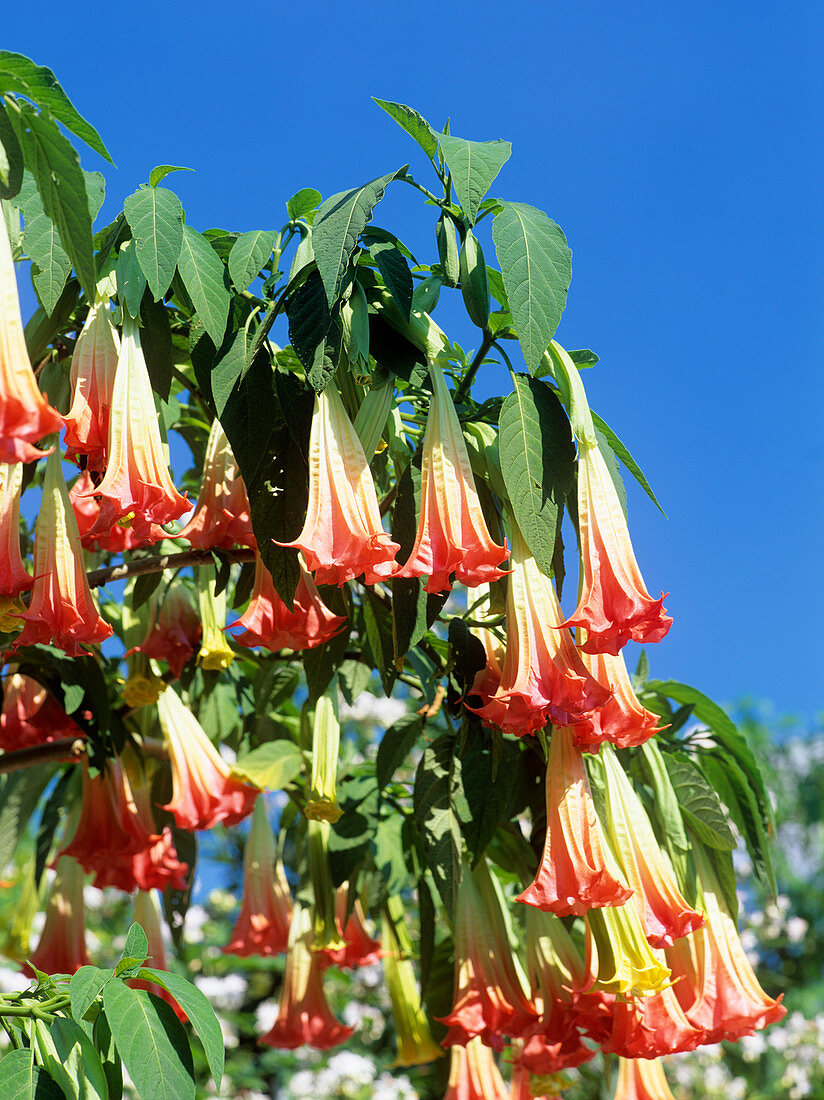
11,158
151,1041
395,746
395,273
156,341
439,806
699,803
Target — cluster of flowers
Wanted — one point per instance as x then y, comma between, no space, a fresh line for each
657,975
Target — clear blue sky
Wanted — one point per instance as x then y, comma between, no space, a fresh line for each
679,147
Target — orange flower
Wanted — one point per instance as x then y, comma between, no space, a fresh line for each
62,946
204,792
342,537
156,866
62,610
174,631
14,578
262,926
304,1015
621,720
573,876
649,1027
542,678
639,1079
221,516
359,949
137,487
94,363
25,414
474,1075
86,508
31,715
619,958
268,622
452,535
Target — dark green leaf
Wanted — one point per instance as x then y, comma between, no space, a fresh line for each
377,619
200,1014
321,663
537,458
473,166
156,341
152,1043
303,202
415,124
51,814
467,655
271,766
536,265
204,277
485,790
439,806
353,679
314,331
395,272
629,462
699,802
104,1045
249,253
351,836
157,175
21,1079
583,358
395,746
41,328
11,158
156,220
231,366
144,586
394,352
409,600
732,785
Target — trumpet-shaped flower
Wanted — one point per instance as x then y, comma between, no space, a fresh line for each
14,578
137,488
414,1039
621,720
452,535
304,1015
542,678
62,945
221,517
62,610
86,508
342,537
474,1074
640,1079
25,414
94,364
268,622
573,876
489,999
174,631
215,653
262,926
204,793
619,958
359,948
156,866
31,715
649,1027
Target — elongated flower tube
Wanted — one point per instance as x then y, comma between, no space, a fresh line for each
215,653
322,804
31,715
542,678
204,793
621,720
619,958
268,622
304,1015
327,936
262,925
62,945
452,535
489,998
359,949
137,488
474,1074
342,537
156,866
86,508
14,577
147,914
412,1035
639,1079
94,364
62,610
221,517
665,913
173,632
573,876
25,413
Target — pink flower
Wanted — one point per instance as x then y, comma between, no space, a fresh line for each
86,508
474,1075
639,1079
359,948
62,946
94,363
14,578
262,926
221,516
174,631
621,720
31,715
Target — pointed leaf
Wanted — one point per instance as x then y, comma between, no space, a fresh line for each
156,220
204,277
151,1041
303,202
96,191
84,988
164,170
41,243
131,282
271,766
439,807
699,803
135,949
474,166
395,272
200,1014
11,158
395,746
249,253
415,124
629,462
536,265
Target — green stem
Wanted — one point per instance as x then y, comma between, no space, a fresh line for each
472,370
419,186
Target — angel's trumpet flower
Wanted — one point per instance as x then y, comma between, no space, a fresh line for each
639,1079
31,715
304,1015
414,1039
489,998
342,537
474,1074
174,631
94,364
621,720
221,517
619,958
204,793
452,535
25,414
322,804
137,488
62,946
262,926
268,622
62,610
359,949
573,876
147,914
156,866
86,508
649,1027
542,678
215,653
14,578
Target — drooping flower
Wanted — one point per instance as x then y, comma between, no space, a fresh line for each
650,1027
262,926
156,866
221,517
94,364
413,1037
86,508
342,537
25,413
62,610
143,687
147,914
137,487
31,715
639,1079
621,720
14,577
542,678
619,958
304,1015
174,631
268,622
359,948
204,793
452,535
474,1074
573,876
665,913
489,998
325,931
322,804
62,945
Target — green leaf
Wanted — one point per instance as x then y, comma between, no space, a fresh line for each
96,191
377,618
303,202
112,1065
415,124
156,220
473,166
409,600
537,457
731,784
612,468
395,273
20,793
152,1043
439,806
249,253
20,75
11,158
699,802
230,367
69,1057
314,331
629,462
21,1079
144,586
163,170
667,809
41,242
52,812
271,766
395,746
583,358
353,679
200,1014
131,282
321,663
135,949
156,341
84,988
536,265
340,221
485,790
204,277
